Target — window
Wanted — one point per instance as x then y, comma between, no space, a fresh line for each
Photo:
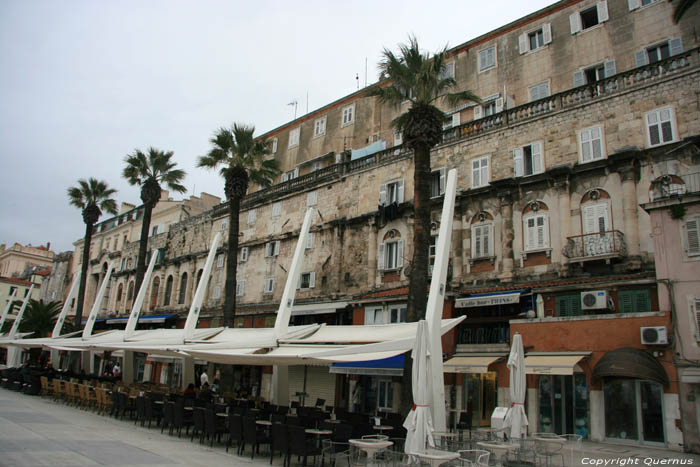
482,240
310,241
536,229
660,127
536,39
224,226
181,295
487,58
385,394
634,301
539,91
390,255
590,143
294,137
374,315
448,71
220,261
276,209
320,127
658,52
273,145
454,121
316,165
252,214
244,254
311,199
240,288
431,253
491,105
569,305
154,230
307,280
586,19
692,236
480,172
595,73
528,160
398,137
348,115
398,313
437,183
272,249
634,4
168,291
391,193
269,286
695,305
290,175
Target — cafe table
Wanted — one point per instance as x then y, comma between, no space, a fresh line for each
370,446
498,448
435,457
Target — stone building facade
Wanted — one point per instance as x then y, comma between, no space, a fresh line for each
585,106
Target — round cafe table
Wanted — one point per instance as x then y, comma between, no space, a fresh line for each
498,448
435,457
370,446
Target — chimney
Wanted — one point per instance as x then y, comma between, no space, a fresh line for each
48,246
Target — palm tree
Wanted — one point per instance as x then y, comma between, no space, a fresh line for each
149,172
681,8
39,317
242,160
417,78
92,197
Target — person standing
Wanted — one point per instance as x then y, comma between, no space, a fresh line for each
357,398
203,379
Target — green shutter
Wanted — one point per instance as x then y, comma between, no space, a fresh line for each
569,305
634,301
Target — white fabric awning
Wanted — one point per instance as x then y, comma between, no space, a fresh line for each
551,364
475,364
318,308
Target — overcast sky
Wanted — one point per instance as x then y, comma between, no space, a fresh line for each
83,83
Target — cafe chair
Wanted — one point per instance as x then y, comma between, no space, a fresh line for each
472,457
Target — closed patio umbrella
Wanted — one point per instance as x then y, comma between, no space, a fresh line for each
515,417
419,422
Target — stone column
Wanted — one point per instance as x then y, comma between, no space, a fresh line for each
507,236
372,280
456,248
128,367
629,210
564,225
280,385
187,371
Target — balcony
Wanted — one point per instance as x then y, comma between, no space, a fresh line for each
596,246
669,186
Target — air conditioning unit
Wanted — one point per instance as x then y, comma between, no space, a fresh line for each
594,300
653,335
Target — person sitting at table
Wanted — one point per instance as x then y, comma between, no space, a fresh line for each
190,392
205,393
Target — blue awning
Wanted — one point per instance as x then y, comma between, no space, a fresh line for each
142,319
392,366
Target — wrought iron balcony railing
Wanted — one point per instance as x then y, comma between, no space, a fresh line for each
599,245
668,186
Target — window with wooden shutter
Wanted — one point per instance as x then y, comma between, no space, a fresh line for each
634,301
660,126
269,285
311,199
481,240
294,137
692,236
310,241
252,214
569,305
276,209
591,144
240,288
480,172
536,232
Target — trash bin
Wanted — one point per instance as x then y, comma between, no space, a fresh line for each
498,418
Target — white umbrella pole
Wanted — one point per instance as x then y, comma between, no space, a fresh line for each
10,301
436,300
136,310
66,306
193,316
90,323
15,325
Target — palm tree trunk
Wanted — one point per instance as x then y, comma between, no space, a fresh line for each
231,261
77,325
418,280
143,245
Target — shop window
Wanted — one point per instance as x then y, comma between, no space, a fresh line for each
634,301
563,404
385,394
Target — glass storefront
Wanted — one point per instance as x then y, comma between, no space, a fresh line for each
634,411
564,404
480,396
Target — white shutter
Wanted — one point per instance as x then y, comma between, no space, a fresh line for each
487,240
589,220
311,199
575,22
537,165
312,280
693,234
296,172
530,234
220,261
400,195
609,68
276,209
399,254
277,248
542,232
299,282
251,216
484,171
380,257
478,112
499,105
240,288
602,8
546,33
310,241
224,226
641,58
442,181
675,46
244,254
523,43
455,120
477,241
284,177
634,4
579,78
696,306
476,173
269,285
518,157
382,195
602,215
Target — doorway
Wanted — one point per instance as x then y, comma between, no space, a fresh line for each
634,411
480,396
563,403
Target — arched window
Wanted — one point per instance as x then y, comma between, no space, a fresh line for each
168,290
390,256
120,289
199,278
183,289
535,226
482,236
154,292
596,223
130,291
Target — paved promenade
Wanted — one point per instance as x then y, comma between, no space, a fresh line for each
38,432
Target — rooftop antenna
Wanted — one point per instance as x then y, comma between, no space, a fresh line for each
365,71
294,103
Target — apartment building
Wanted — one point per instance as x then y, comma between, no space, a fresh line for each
588,107
21,260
